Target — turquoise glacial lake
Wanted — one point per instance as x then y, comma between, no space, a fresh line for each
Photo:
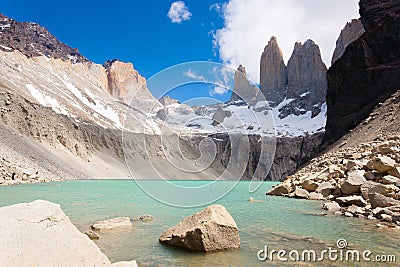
276,222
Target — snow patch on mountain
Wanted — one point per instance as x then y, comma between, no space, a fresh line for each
240,118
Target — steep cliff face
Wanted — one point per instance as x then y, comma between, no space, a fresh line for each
290,154
351,32
273,73
125,83
298,88
243,89
375,13
369,70
34,40
307,83
307,72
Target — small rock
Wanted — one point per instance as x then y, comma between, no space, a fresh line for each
316,196
348,214
395,172
391,180
352,165
382,164
386,218
385,149
335,172
331,206
325,189
369,175
92,234
379,200
120,222
301,193
352,184
351,200
144,218
309,185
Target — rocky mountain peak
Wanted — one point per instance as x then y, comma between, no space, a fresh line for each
307,83
166,101
351,32
307,72
303,81
125,83
242,69
243,89
34,40
273,73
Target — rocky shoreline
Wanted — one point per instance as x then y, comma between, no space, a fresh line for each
361,181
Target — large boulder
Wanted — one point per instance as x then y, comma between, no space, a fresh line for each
301,193
325,189
111,224
40,234
281,189
212,229
391,180
309,185
353,183
381,164
351,200
395,172
370,187
379,200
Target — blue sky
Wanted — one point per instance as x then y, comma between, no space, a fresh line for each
136,31
141,32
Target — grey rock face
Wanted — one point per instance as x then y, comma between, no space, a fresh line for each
273,73
243,89
303,80
307,73
351,32
307,83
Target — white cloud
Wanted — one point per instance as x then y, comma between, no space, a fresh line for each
250,24
179,12
193,75
217,7
218,90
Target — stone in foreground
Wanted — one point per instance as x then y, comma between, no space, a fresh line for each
281,189
40,234
212,229
92,234
115,223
